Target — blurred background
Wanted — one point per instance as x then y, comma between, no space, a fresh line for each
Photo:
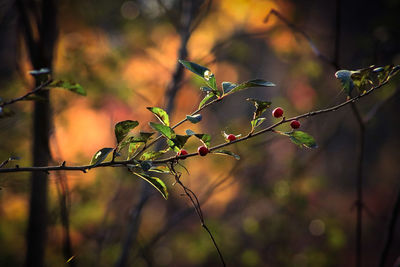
280,205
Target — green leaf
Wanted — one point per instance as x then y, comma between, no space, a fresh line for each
100,156
178,142
302,139
160,114
261,106
251,83
142,138
160,169
344,76
133,147
204,138
122,128
193,67
205,99
194,119
163,129
71,86
156,182
227,152
228,86
151,155
257,122
362,78
203,72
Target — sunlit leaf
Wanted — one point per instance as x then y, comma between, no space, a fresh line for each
257,122
178,142
251,83
205,99
203,72
261,106
151,155
204,138
100,156
194,119
302,139
344,76
228,86
160,114
227,152
157,183
362,78
160,169
71,86
193,67
163,129
132,149
122,128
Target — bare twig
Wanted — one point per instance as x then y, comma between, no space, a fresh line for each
25,96
196,205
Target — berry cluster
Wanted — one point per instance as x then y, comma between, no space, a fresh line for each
278,112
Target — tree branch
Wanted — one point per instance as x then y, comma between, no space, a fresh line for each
125,163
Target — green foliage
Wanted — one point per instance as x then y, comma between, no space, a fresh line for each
365,79
157,183
204,138
178,142
204,73
163,129
251,83
71,86
122,128
257,122
227,153
228,86
302,139
100,156
205,99
160,114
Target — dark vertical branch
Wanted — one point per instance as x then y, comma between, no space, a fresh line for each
390,231
41,56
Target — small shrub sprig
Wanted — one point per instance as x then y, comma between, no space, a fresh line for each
146,163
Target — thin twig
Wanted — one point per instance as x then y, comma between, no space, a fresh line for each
196,205
25,96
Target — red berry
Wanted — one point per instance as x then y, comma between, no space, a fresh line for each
202,150
231,137
277,113
182,152
295,124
